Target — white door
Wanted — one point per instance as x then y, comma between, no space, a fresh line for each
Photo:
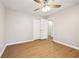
51,28
44,29
40,30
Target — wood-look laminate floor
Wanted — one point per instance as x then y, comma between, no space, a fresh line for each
40,49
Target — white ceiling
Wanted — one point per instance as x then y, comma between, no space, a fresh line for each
27,6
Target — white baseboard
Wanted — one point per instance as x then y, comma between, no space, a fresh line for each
66,44
18,42
3,50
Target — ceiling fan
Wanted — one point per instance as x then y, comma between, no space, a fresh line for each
47,3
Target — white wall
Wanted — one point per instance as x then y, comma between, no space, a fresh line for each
19,27
2,16
66,26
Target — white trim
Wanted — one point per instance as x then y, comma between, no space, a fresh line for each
66,44
3,50
19,42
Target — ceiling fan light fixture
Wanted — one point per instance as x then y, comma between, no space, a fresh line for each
46,9
47,5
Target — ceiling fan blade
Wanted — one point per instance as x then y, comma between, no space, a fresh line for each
55,6
37,9
38,1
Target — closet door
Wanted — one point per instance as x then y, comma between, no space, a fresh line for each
40,30
44,29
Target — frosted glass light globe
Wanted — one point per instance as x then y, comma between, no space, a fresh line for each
46,9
